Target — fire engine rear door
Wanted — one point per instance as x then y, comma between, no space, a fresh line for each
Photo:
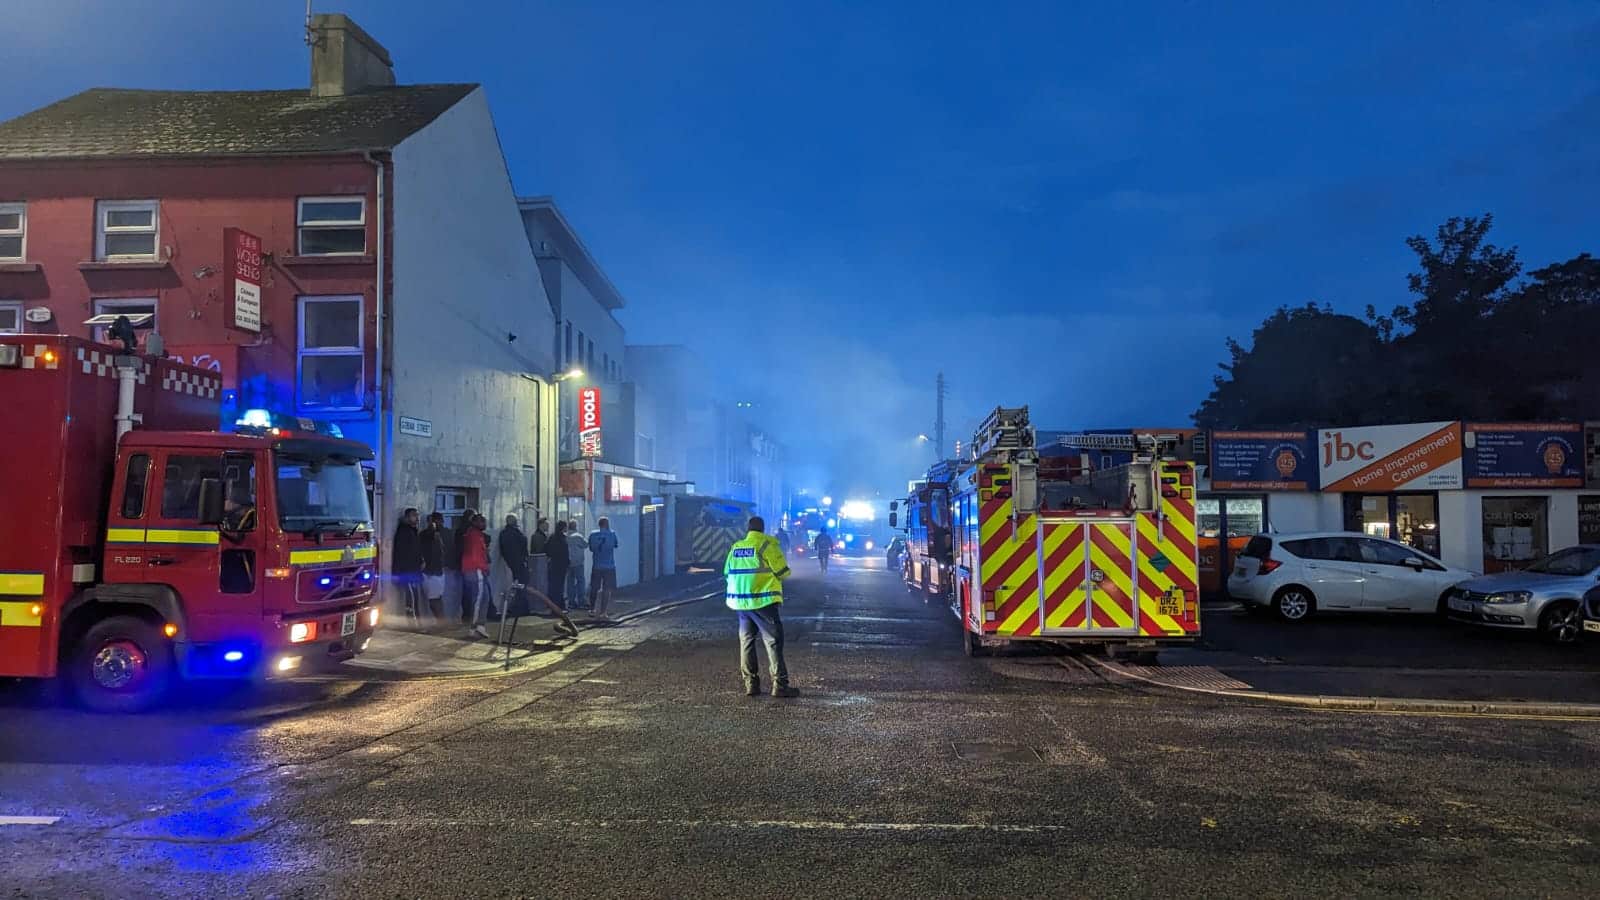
1088,574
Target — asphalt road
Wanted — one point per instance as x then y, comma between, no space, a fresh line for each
637,768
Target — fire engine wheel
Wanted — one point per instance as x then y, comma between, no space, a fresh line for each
1294,604
971,645
122,665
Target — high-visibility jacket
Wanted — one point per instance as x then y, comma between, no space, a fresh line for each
755,571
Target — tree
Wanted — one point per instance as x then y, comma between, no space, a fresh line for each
1547,333
1306,366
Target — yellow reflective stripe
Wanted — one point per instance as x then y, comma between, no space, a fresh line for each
331,555
19,614
23,584
181,536
124,535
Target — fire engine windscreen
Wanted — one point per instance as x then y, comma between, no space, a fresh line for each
321,493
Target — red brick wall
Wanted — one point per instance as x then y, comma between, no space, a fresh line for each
198,200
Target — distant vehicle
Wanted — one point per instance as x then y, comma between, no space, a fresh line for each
894,551
1299,575
1546,596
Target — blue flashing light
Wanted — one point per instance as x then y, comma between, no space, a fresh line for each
849,539
255,418
833,523
233,656
366,576
325,581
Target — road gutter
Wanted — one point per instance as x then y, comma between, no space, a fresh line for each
1493,709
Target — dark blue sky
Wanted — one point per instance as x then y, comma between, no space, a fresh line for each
1065,207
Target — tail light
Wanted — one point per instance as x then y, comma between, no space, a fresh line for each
1269,565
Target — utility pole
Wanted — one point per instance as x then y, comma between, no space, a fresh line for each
938,419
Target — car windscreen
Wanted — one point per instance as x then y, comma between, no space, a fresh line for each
1260,547
1571,561
321,493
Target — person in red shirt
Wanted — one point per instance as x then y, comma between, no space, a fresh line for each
475,571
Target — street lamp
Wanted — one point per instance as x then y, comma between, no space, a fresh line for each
571,373
923,438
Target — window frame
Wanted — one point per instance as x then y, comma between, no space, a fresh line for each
21,209
103,306
101,229
300,226
359,350
21,323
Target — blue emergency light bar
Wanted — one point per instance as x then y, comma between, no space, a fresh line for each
261,421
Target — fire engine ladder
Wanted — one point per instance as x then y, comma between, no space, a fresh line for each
1153,446
1006,434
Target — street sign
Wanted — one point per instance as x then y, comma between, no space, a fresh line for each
242,277
416,427
589,421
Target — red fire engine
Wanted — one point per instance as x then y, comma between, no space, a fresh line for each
1104,558
130,557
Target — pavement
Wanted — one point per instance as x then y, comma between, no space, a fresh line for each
398,652
634,767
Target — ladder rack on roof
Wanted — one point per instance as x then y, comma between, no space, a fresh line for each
1152,445
1006,432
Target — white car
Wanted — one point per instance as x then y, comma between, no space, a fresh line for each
1298,575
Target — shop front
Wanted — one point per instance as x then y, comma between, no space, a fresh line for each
1246,468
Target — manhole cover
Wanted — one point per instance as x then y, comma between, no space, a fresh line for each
999,753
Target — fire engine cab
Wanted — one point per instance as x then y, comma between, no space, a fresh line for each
130,557
1106,558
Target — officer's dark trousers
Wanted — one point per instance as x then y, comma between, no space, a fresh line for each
770,625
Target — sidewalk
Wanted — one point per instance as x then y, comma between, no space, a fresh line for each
398,653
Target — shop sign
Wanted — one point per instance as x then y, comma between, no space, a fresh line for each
1383,458
1524,454
589,421
1589,519
574,483
619,488
242,277
1262,461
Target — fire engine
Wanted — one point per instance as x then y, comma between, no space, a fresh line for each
133,556
1106,558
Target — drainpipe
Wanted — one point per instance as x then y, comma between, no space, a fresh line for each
380,452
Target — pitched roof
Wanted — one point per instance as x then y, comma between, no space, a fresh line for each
112,122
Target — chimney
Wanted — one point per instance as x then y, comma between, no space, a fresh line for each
345,59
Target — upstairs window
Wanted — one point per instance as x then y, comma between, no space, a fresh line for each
127,229
332,226
125,307
13,232
10,316
332,359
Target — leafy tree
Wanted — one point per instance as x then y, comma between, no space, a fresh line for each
1546,334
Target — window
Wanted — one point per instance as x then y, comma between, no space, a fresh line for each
1408,518
316,492
180,490
239,492
566,359
451,502
1386,554
13,231
332,363
332,226
1589,519
133,487
125,308
10,316
606,366
1516,531
127,229
589,360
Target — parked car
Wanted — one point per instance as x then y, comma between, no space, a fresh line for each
1546,596
893,552
1299,575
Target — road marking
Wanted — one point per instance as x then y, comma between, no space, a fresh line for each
952,827
29,820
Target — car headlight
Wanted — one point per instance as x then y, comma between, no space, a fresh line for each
1509,597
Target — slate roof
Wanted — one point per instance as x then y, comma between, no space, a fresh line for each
113,123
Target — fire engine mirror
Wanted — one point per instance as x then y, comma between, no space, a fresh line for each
894,520
211,501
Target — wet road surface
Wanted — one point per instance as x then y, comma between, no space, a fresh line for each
637,768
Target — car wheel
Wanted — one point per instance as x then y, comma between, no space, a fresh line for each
1443,609
1560,623
1294,604
123,665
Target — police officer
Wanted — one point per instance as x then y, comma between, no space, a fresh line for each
755,571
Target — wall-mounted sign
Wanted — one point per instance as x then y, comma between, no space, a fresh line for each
1262,461
242,277
38,315
574,483
619,488
1524,454
422,428
589,421
1383,458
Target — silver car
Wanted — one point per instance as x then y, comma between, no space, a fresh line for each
1546,596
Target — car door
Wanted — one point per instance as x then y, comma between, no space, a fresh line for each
1331,569
1391,584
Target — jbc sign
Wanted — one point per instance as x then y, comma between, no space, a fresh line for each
242,262
589,421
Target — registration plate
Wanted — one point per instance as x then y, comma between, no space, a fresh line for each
1590,625
348,626
1460,605
1171,603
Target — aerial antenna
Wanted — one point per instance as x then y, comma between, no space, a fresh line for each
938,418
